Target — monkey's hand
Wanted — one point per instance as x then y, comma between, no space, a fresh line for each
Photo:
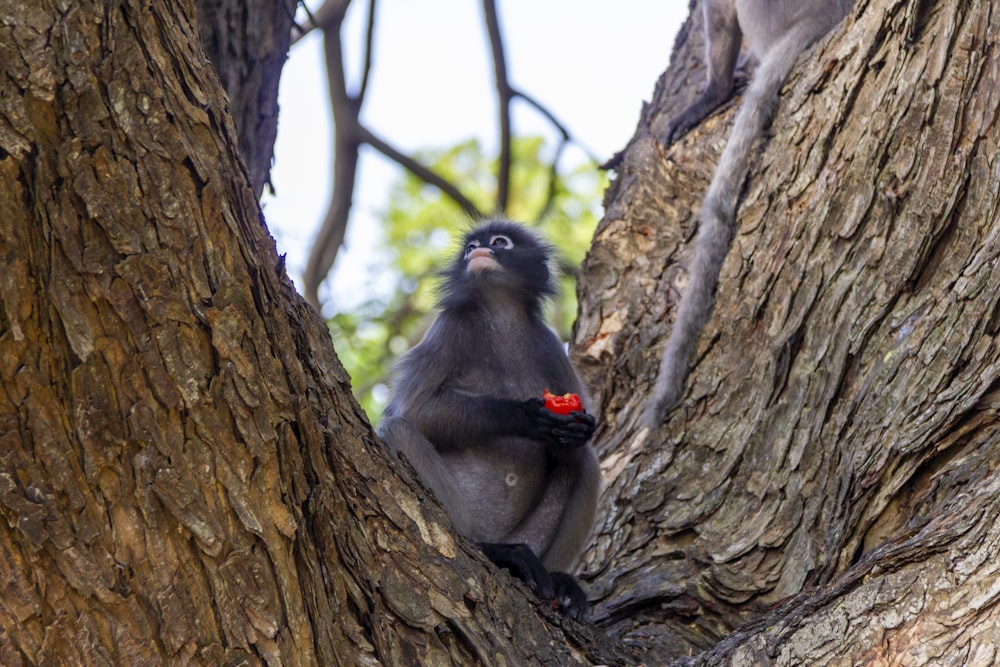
558,588
680,125
571,431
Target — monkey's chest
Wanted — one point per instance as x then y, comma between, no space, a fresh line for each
512,368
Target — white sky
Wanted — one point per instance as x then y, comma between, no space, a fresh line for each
592,63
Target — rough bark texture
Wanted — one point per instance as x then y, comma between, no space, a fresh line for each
184,476
836,450
247,43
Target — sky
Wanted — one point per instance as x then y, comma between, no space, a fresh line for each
592,63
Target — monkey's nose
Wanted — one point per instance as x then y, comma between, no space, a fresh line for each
481,259
480,252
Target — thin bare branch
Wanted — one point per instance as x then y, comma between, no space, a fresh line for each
350,135
504,96
299,31
369,45
542,109
553,181
328,13
346,144
421,172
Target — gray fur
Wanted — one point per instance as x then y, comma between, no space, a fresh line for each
457,403
777,31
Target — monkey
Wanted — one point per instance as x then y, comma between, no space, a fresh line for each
777,32
466,411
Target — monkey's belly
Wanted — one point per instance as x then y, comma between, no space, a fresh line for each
502,486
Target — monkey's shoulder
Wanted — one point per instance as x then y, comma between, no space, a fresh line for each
515,358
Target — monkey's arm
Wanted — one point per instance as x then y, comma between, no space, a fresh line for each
451,417
722,47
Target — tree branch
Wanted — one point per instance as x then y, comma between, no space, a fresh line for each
350,134
566,135
421,172
347,130
369,45
504,95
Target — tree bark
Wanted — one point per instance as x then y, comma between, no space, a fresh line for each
828,482
184,476
247,43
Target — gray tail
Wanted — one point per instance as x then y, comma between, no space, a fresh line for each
717,218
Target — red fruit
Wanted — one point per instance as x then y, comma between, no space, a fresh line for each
562,405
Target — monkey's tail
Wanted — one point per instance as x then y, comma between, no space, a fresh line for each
717,218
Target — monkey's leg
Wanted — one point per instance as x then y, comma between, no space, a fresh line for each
560,522
722,47
717,216
402,437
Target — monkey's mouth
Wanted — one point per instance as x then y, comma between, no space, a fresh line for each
481,259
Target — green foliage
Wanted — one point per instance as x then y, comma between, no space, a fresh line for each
421,229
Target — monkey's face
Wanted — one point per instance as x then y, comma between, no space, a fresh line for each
483,258
507,253
500,255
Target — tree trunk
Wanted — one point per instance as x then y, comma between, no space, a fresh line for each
247,43
835,451
184,476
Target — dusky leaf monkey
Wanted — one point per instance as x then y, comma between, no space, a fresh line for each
777,32
466,411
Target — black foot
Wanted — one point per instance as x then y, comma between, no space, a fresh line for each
570,597
521,562
559,588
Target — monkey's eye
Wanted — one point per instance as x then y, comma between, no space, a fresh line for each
501,241
472,245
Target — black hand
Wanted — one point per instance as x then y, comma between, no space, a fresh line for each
529,419
559,588
680,125
540,423
572,430
713,96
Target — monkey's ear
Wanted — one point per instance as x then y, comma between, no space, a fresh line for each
554,272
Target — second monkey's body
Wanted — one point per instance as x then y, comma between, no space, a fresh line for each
777,32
